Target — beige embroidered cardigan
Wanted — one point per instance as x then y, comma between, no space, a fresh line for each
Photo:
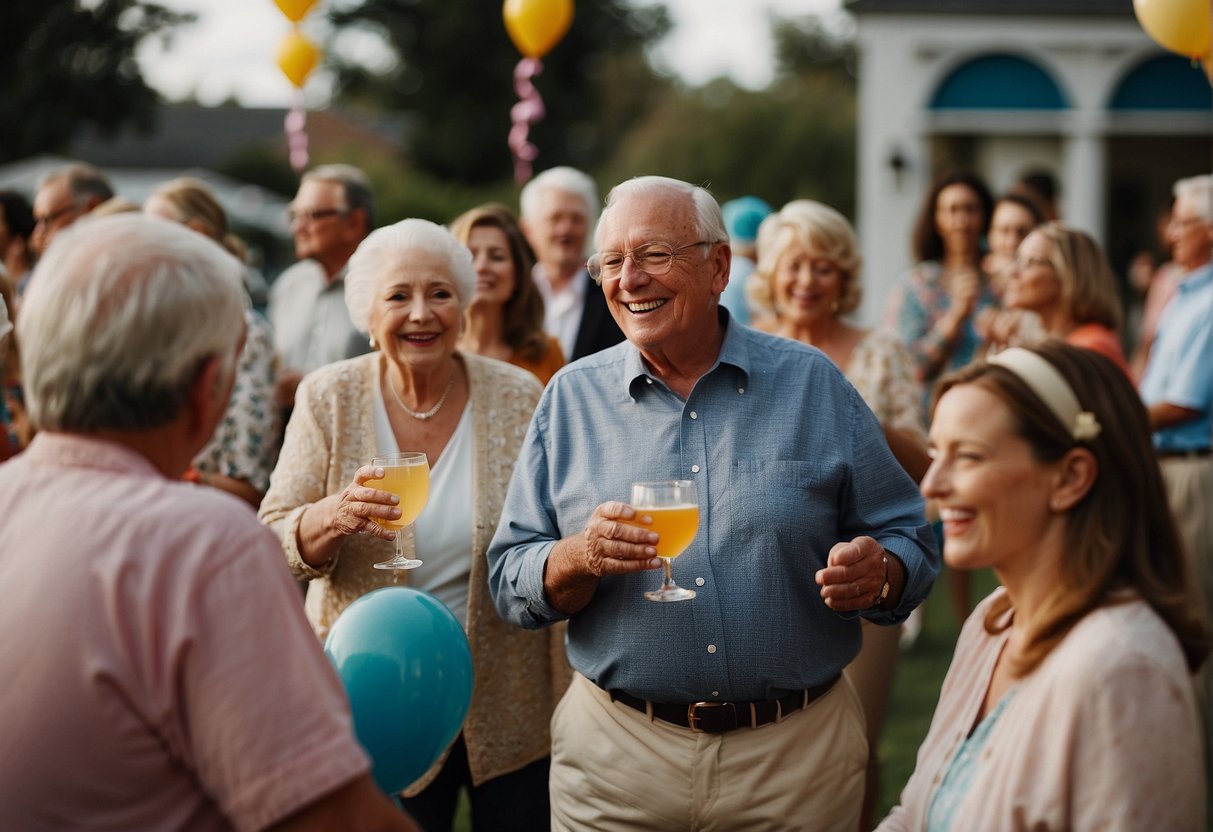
519,674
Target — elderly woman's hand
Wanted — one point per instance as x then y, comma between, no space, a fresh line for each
358,504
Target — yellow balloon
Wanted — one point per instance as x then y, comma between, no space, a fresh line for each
295,10
536,26
1178,25
297,57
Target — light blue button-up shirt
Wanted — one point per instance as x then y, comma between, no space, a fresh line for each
1180,371
787,461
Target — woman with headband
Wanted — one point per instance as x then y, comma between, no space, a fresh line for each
1069,703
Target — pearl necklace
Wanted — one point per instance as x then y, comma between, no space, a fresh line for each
429,414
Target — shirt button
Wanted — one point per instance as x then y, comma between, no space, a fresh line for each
648,380
694,469
711,648
715,693
694,415
699,582
741,390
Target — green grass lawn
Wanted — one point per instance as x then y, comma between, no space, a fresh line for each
915,692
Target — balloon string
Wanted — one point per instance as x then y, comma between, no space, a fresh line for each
528,111
296,137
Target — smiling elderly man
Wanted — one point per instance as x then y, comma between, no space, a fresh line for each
726,711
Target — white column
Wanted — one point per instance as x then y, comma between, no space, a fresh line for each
1084,178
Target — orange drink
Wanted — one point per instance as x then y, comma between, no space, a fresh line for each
411,483
675,527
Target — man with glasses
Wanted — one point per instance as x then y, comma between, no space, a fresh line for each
727,711
557,209
331,214
65,195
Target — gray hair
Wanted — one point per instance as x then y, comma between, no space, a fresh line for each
1198,192
385,249
119,317
566,179
709,222
84,182
354,183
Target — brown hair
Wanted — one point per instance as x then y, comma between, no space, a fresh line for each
926,240
1088,287
523,312
1121,534
197,206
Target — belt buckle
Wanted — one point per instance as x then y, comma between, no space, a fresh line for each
693,718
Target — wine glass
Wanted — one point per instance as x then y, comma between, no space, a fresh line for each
674,509
407,475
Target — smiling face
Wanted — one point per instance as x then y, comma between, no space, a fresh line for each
1034,283
415,315
495,278
992,492
1010,226
806,286
1189,234
675,311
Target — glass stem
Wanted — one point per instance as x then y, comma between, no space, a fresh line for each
669,573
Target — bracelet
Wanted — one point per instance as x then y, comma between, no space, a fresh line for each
884,589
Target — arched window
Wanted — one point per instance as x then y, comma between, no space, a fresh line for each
998,82
1164,82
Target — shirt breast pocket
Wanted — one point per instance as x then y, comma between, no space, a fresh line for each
790,504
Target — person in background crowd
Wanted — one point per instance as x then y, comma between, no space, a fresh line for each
936,306
1156,280
1069,702
1041,185
164,665
742,217
64,195
241,454
1014,217
16,229
558,207
1178,383
1063,280
407,286
505,318
809,264
332,213
728,709
13,424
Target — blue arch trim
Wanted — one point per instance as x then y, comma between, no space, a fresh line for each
998,82
1165,82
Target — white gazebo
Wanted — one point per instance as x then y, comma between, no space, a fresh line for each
998,86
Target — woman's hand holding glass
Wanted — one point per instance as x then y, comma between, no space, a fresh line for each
405,478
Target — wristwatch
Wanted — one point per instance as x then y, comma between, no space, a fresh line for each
884,588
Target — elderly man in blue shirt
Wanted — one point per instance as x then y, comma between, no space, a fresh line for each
726,711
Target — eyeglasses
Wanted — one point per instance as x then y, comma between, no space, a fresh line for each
1025,263
50,218
653,259
295,215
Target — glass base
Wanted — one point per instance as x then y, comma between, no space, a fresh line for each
670,593
399,563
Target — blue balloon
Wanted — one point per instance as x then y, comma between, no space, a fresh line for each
407,668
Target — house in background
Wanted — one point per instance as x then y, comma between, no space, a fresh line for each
999,86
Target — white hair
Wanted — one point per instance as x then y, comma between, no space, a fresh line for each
384,249
709,222
566,179
1197,191
120,315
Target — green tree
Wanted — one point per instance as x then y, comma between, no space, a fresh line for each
454,71
65,64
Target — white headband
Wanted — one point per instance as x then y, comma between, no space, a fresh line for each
1051,388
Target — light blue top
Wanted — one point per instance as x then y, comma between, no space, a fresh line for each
733,297
959,777
787,461
1180,371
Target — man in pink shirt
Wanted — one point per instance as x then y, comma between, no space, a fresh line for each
158,670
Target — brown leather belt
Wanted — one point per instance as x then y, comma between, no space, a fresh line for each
1198,453
719,717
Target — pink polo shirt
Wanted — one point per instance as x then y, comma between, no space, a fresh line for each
156,668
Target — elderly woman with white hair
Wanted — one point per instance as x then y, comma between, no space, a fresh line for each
407,287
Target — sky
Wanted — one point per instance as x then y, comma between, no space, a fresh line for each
230,51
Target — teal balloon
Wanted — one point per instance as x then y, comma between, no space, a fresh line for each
406,666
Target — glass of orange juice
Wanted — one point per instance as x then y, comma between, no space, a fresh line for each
407,475
674,509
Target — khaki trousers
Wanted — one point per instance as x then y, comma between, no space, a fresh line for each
615,769
1189,484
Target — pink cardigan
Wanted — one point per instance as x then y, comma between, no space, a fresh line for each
1103,735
